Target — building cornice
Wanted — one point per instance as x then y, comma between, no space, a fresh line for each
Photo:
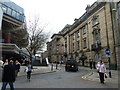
92,9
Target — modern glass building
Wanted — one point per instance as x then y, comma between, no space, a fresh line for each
13,10
12,22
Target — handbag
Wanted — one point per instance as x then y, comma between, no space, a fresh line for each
106,75
26,69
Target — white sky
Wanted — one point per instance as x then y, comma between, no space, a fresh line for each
55,13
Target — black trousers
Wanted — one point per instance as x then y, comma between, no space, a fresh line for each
101,77
28,74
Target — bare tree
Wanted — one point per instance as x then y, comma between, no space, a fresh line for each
37,38
20,36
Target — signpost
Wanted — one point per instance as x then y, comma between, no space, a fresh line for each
107,51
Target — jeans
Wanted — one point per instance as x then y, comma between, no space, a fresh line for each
28,74
101,77
5,84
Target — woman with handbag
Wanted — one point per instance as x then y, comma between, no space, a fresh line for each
29,70
101,68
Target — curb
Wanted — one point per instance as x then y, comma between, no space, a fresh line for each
39,73
90,79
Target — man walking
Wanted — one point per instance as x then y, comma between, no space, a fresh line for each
8,76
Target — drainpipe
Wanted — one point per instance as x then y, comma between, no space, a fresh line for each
113,28
107,42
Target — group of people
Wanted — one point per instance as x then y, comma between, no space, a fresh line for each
10,71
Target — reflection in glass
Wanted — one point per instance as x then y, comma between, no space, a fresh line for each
4,8
9,11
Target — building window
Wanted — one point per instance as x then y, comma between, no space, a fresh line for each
78,45
84,30
96,35
4,8
95,20
73,37
84,43
73,47
78,34
14,14
97,57
17,15
9,11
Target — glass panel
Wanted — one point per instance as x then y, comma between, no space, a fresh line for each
17,15
97,37
84,30
14,14
17,12
21,17
9,11
4,8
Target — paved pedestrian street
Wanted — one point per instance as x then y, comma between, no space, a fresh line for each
61,79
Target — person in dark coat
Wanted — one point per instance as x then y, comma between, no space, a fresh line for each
91,64
8,76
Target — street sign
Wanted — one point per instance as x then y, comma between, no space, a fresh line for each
107,51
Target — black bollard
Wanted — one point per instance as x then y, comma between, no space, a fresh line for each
110,74
52,67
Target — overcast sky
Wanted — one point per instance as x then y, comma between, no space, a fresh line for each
55,13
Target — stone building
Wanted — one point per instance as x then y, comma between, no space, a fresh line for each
57,47
88,38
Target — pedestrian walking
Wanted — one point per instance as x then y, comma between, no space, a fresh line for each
97,66
101,68
17,67
8,76
91,63
94,65
29,70
1,69
5,63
